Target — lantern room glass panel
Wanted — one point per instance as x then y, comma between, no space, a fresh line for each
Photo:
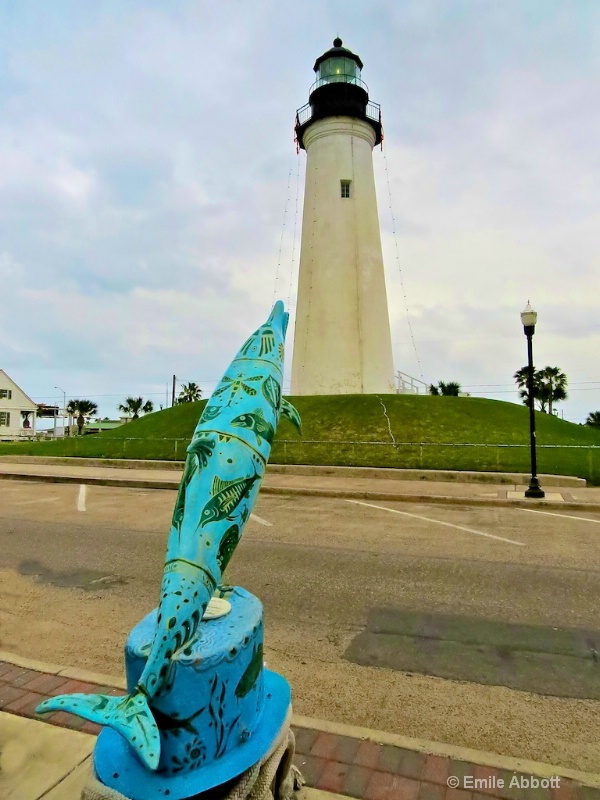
338,70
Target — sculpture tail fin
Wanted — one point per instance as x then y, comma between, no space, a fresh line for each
289,411
130,716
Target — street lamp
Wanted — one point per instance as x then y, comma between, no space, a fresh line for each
64,408
529,318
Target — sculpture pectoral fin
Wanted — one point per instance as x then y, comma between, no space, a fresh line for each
130,716
291,413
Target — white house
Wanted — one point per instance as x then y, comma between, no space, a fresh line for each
17,410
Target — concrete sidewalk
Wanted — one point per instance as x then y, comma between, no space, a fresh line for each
363,483
50,758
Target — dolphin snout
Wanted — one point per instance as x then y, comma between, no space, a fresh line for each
279,317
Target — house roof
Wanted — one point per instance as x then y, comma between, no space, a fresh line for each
16,385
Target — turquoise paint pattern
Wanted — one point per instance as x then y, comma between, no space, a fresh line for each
225,465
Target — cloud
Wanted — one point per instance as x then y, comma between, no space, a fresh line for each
146,161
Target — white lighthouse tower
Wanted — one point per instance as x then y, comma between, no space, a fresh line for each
342,341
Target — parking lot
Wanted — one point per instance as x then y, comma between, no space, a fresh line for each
471,625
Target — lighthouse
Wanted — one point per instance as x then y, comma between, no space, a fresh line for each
342,340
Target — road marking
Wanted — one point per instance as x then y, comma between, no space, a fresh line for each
439,522
551,514
261,521
39,500
81,497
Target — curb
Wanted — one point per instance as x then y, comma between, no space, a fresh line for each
430,498
359,494
65,672
315,470
80,461
479,757
127,483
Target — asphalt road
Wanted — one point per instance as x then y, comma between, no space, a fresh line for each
365,604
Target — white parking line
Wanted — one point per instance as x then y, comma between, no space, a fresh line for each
261,521
439,522
550,514
81,497
39,500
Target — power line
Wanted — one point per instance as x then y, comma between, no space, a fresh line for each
489,385
285,211
294,236
412,337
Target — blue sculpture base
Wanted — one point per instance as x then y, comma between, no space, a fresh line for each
214,698
118,767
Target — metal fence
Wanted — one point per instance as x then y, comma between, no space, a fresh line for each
580,460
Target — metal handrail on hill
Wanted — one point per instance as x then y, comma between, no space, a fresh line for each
329,442
566,459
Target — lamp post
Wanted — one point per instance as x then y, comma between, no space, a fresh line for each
64,408
529,318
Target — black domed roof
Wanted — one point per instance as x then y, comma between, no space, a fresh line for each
340,52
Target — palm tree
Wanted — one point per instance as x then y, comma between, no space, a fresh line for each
136,406
450,389
190,392
70,408
549,386
84,409
553,385
593,419
521,377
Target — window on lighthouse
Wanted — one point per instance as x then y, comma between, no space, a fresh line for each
345,188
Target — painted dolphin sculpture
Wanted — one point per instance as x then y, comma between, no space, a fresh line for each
225,465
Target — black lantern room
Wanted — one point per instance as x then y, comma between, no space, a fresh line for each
338,91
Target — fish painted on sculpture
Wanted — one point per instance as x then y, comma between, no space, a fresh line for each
225,464
250,676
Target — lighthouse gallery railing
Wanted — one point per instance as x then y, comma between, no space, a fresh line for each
304,114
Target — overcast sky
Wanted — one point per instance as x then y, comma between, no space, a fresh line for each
149,185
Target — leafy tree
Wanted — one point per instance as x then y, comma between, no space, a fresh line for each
136,406
593,419
549,386
190,392
84,409
450,389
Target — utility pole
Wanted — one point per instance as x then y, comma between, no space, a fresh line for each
63,409
173,394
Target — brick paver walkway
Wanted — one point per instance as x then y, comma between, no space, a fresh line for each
357,768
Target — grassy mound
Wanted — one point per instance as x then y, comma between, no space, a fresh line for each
403,431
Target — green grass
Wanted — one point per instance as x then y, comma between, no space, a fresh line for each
458,433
